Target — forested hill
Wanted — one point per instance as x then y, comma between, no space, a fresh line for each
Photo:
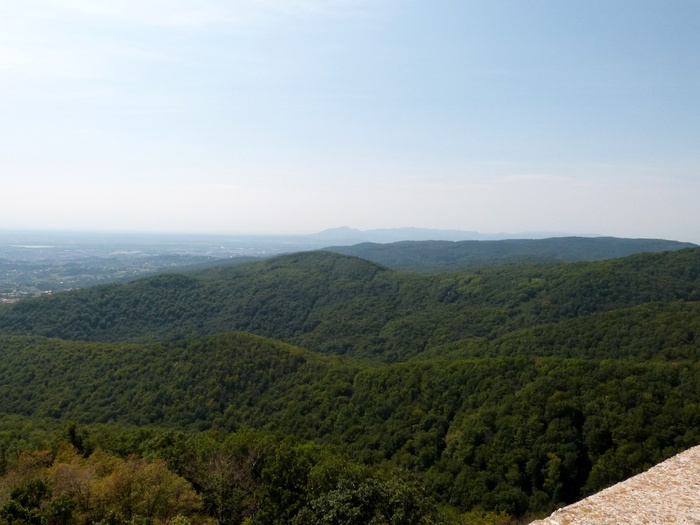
515,388
434,256
337,304
518,434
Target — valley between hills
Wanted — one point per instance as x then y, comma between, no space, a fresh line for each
324,388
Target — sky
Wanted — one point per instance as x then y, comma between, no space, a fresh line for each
293,116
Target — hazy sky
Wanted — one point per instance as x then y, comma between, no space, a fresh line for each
292,116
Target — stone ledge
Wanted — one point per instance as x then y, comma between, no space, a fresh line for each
668,493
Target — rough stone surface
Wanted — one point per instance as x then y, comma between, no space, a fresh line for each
668,493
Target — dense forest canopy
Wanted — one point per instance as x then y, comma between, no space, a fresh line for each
344,305
476,394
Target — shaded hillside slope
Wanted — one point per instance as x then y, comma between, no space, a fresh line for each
651,331
344,305
519,434
436,256
186,384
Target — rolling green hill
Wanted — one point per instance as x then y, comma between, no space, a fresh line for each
651,331
518,433
514,388
224,380
337,304
436,256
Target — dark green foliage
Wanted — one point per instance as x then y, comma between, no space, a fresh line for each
371,501
335,304
514,434
79,439
24,504
248,477
652,331
60,511
220,381
511,389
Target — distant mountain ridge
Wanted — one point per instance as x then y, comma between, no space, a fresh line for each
345,235
432,255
